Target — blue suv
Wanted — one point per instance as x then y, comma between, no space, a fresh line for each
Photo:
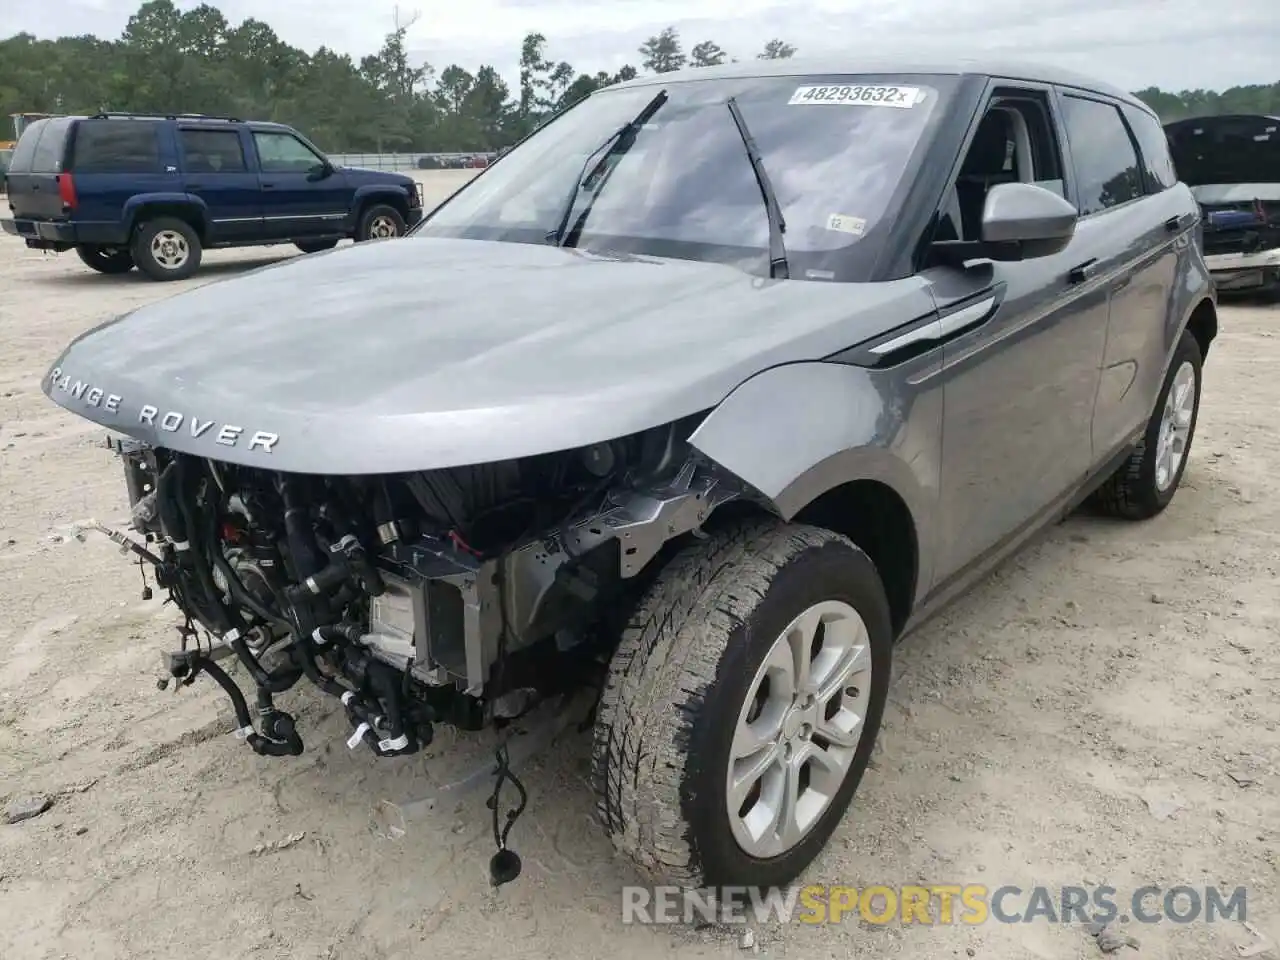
126,190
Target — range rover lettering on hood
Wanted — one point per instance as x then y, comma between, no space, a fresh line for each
170,421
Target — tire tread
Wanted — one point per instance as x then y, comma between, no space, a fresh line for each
669,654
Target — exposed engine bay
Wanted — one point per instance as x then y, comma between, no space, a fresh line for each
463,595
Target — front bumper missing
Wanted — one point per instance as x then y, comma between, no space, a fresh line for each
445,611
527,737
443,617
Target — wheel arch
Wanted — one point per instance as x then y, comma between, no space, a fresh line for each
181,206
840,469
1202,323
370,194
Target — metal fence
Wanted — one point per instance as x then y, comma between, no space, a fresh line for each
405,161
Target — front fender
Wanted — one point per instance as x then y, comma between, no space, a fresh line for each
385,191
796,431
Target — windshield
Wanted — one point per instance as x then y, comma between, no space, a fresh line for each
839,153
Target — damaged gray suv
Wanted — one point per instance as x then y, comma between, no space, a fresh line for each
696,401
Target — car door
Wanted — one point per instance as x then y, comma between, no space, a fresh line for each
215,169
303,195
1021,371
1124,172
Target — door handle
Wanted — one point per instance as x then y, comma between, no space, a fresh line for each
1174,224
195,186
267,186
1083,271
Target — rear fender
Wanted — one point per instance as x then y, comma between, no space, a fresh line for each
185,205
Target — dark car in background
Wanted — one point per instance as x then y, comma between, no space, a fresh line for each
126,190
1232,165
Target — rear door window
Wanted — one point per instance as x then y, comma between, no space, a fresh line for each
1106,160
116,146
213,151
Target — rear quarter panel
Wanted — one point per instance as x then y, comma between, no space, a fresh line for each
113,198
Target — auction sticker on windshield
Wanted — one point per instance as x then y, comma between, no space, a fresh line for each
847,224
858,96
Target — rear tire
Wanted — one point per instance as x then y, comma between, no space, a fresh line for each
166,249
110,260
380,222
702,671
1146,482
315,246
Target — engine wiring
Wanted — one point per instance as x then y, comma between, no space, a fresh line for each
272,569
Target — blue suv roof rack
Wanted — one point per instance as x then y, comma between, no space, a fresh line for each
114,114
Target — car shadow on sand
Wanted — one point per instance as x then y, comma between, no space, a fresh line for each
208,271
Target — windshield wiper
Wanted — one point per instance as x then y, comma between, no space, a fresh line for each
616,144
778,267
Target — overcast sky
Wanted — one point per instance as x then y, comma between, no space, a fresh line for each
1173,44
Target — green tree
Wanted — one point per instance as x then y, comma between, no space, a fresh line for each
534,71
402,106
662,52
585,84
706,54
777,50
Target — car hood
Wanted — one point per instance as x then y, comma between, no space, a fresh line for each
419,353
363,175
1221,152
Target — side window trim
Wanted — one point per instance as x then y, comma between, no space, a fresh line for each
1071,192
1095,97
1143,175
1152,186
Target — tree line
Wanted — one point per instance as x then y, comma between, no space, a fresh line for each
195,61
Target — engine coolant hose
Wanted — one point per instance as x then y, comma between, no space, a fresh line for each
167,506
386,684
287,742
297,531
279,727
266,680
304,646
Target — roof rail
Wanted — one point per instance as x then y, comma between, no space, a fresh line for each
114,114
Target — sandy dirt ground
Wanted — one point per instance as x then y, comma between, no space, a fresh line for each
1039,731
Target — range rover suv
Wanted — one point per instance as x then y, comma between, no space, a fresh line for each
722,382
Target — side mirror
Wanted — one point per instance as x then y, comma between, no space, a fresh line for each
1021,221
321,170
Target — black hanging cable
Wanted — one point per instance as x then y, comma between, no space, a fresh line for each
505,774
504,866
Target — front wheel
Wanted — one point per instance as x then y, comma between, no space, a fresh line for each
166,249
742,706
380,222
110,260
1146,482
